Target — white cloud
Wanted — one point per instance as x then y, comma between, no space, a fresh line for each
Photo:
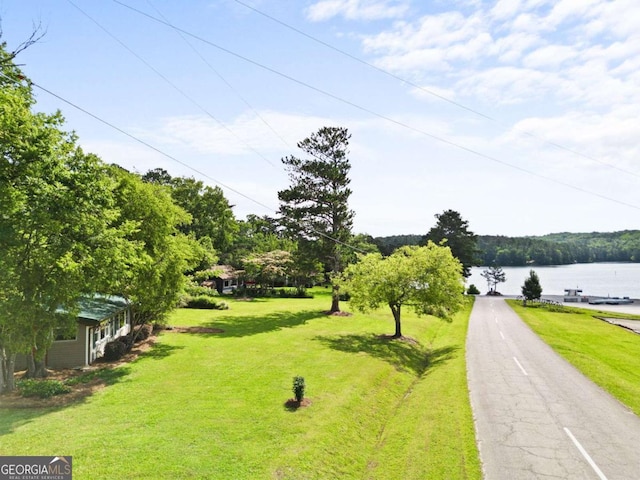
247,133
516,51
357,9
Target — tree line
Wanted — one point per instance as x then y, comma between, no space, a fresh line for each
551,249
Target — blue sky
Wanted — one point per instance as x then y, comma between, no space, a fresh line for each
522,115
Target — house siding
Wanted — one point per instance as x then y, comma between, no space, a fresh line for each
89,342
68,353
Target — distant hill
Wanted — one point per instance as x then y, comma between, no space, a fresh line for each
552,249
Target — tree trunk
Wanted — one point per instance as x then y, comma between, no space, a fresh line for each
3,371
9,366
335,299
395,309
35,368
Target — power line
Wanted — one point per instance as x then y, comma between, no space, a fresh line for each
430,92
224,80
172,158
374,113
139,140
170,83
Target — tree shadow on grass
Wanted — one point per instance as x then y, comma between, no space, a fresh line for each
158,351
243,326
404,355
16,411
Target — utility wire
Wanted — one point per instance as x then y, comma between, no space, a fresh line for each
139,140
376,114
171,157
430,92
223,79
170,83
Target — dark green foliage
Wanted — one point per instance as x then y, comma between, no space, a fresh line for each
205,302
452,231
203,275
316,204
114,350
41,388
293,293
387,245
561,248
198,291
532,290
143,332
271,292
298,388
126,340
473,290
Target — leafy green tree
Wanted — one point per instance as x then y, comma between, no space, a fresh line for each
162,253
211,214
428,279
257,235
453,230
315,206
494,275
531,290
267,267
58,232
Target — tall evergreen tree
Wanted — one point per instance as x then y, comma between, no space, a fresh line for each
462,241
532,290
315,206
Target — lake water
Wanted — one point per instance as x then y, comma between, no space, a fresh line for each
594,279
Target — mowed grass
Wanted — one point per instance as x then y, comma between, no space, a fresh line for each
607,354
214,405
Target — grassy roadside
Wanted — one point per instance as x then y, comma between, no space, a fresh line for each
607,354
205,405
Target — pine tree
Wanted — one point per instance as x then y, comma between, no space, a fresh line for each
315,206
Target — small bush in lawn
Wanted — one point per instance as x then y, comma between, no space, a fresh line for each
207,303
199,291
41,388
473,290
298,388
294,293
114,350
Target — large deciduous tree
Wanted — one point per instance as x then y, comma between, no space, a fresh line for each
211,214
451,228
316,204
154,278
428,279
58,233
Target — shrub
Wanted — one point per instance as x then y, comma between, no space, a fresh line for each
207,303
126,340
114,350
144,332
298,388
473,290
41,388
203,275
294,293
198,291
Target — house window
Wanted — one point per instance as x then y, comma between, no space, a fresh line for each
66,334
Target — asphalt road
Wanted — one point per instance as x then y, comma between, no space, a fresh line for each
536,416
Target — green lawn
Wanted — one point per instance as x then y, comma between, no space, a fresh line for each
607,354
213,405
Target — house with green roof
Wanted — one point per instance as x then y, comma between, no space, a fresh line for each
101,319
